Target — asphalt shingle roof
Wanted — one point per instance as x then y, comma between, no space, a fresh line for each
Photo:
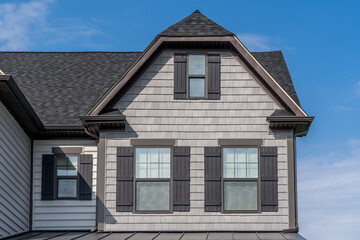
60,86
196,25
274,63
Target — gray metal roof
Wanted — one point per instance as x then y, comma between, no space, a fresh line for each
60,86
196,24
159,236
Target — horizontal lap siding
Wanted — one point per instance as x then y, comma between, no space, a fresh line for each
152,112
15,156
63,214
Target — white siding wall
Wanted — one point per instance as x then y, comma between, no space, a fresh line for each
15,164
62,214
152,112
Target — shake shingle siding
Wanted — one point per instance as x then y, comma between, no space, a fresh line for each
152,112
15,155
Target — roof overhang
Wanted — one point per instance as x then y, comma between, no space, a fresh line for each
300,125
286,102
18,106
93,124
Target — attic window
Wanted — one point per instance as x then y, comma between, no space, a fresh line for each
196,76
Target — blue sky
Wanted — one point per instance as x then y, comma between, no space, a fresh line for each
320,41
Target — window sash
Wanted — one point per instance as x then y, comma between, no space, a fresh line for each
204,76
75,177
167,179
241,181
223,180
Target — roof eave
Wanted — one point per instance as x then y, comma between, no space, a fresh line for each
300,125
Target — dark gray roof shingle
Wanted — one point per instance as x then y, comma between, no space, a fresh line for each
196,25
275,64
60,86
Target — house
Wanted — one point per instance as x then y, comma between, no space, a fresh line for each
194,135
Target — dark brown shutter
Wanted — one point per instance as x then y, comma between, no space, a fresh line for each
180,74
212,179
214,76
269,179
85,176
48,177
181,179
124,179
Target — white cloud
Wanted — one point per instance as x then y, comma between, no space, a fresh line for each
22,24
255,42
329,194
17,21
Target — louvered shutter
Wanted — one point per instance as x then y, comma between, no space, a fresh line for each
124,179
269,179
85,176
48,177
180,74
212,179
181,179
214,76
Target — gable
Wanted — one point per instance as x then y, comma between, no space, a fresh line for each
151,96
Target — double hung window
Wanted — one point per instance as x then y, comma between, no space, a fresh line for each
197,76
240,179
153,179
67,175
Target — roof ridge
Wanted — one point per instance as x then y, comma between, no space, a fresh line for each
196,24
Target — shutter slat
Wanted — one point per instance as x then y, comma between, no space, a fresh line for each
180,76
48,177
85,177
181,179
269,179
214,76
212,179
124,179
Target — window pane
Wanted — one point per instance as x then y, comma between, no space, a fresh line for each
197,87
153,162
151,196
72,165
196,64
240,196
66,165
67,188
240,162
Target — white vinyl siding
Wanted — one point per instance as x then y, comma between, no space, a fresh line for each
62,214
152,112
15,165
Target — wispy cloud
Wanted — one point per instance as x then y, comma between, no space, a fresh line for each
23,24
329,194
339,108
17,22
256,42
